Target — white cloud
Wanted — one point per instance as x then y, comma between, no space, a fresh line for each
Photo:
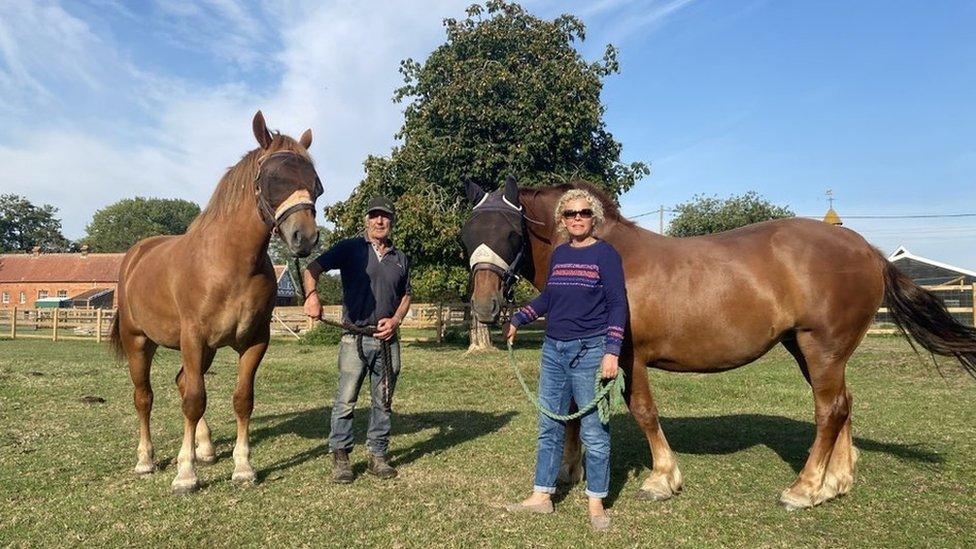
156,135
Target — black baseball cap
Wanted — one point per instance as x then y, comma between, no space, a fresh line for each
381,204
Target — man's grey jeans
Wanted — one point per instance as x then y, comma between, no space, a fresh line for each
352,372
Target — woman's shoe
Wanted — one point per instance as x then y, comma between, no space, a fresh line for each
540,508
600,522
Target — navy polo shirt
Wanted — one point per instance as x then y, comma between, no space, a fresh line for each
371,288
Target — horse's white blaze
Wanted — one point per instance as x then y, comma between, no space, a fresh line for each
484,254
298,197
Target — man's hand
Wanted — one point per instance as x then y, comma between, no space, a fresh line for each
609,366
510,332
386,327
313,307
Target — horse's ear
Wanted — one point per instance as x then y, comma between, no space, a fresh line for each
473,191
511,190
261,132
306,139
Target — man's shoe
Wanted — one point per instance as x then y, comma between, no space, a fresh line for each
378,466
341,470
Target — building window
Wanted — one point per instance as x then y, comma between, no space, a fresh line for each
62,293
6,297
41,294
23,297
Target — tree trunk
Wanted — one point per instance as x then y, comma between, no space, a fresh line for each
480,335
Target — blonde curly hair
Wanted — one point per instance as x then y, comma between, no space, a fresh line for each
575,194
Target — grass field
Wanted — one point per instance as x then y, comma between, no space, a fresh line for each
464,440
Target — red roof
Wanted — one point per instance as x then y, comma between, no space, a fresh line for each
60,267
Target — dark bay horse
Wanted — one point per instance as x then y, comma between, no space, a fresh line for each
717,302
215,287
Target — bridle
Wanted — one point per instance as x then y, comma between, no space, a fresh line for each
273,217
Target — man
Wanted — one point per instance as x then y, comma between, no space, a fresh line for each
375,292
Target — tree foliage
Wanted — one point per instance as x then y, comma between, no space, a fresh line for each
710,214
24,225
117,227
506,93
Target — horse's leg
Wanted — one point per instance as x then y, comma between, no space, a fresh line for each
247,367
665,480
825,364
205,453
139,351
571,470
843,459
194,393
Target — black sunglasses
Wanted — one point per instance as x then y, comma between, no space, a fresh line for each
585,213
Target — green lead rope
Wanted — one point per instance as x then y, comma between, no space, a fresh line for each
605,392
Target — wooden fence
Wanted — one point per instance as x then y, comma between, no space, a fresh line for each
291,322
68,324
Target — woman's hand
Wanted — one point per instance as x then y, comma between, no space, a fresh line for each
609,367
510,332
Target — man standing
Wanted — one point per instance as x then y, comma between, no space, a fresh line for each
375,292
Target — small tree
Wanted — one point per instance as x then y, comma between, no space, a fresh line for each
117,227
24,225
710,214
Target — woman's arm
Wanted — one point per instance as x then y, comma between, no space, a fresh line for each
615,291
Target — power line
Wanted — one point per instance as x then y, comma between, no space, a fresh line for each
852,216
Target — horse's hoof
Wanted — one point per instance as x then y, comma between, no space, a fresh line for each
244,477
650,495
792,502
207,459
184,487
144,469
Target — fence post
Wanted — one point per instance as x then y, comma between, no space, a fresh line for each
98,325
974,304
440,323
54,324
13,324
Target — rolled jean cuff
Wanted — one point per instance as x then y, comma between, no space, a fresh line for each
600,495
544,489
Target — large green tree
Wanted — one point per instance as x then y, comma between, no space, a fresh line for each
117,227
24,225
710,214
506,93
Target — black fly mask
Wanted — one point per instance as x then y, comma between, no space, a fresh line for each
494,235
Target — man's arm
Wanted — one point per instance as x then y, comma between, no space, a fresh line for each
310,277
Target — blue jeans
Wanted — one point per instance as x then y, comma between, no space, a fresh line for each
569,371
352,373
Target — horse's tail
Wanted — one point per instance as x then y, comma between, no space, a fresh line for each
918,313
114,339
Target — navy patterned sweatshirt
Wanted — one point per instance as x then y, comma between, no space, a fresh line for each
584,296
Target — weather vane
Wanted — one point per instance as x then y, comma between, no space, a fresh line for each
830,197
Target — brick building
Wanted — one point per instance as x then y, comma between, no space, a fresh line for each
83,277
85,280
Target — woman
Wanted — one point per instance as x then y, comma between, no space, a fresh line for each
585,305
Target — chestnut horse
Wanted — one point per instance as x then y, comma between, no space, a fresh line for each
717,302
215,287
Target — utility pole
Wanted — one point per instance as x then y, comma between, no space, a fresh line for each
661,220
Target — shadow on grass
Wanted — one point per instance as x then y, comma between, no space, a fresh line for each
452,427
721,435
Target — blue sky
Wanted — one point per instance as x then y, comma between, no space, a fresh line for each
102,100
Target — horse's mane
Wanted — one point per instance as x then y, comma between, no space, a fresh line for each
610,209
237,184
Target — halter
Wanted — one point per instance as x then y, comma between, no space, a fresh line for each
274,216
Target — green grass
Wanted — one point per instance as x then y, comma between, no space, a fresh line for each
464,440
